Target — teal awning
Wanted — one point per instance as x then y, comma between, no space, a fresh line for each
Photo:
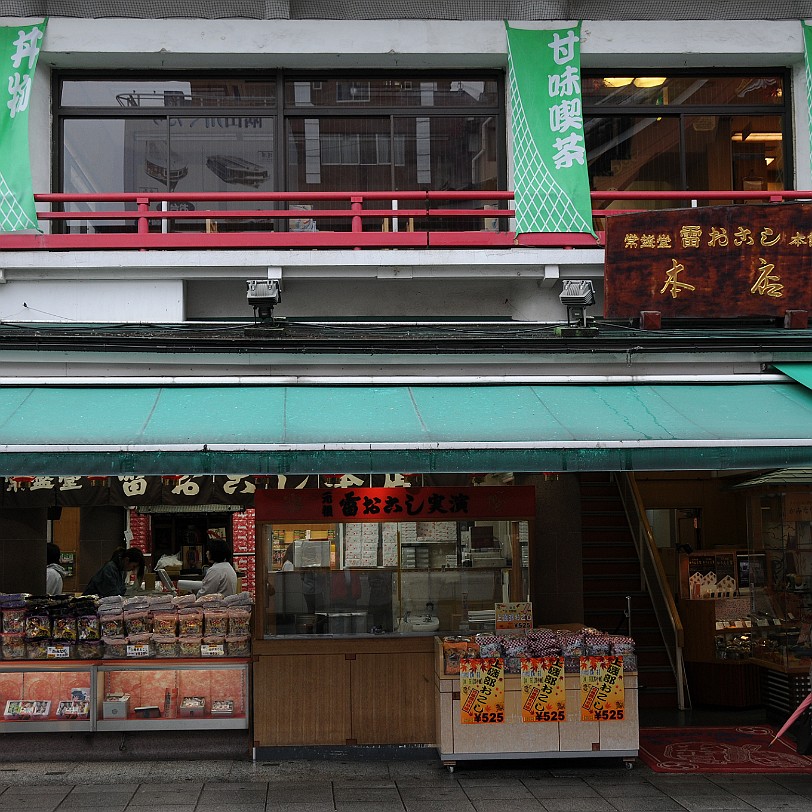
327,429
798,371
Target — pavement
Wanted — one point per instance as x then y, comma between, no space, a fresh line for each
392,785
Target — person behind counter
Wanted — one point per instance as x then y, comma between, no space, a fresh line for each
53,572
111,579
220,576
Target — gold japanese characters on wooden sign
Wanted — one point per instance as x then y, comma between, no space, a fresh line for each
710,262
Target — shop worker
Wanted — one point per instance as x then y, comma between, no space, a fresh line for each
54,573
111,579
220,576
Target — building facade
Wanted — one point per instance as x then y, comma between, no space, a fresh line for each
361,169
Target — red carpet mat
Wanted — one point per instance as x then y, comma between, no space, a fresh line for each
719,750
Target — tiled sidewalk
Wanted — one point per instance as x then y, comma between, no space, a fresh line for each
386,786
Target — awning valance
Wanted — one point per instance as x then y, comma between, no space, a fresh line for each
328,429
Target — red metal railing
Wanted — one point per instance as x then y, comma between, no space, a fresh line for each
416,219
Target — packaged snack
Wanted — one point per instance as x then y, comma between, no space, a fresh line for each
13,620
165,623
166,645
238,646
111,624
89,649
87,627
115,647
190,622
37,625
239,622
64,628
490,645
136,622
215,623
13,647
188,646
36,649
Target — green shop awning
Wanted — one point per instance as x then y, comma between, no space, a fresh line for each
118,430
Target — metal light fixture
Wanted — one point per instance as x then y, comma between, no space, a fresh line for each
577,295
263,296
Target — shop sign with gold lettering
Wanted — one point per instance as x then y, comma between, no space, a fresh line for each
709,262
482,690
544,696
602,689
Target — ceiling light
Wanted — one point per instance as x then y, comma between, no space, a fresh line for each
650,81
618,81
757,137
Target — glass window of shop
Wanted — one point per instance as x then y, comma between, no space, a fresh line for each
679,132
273,133
408,577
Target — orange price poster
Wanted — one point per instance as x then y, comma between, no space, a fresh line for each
514,615
482,690
544,695
602,690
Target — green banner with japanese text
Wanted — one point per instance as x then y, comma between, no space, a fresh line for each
19,49
549,149
808,61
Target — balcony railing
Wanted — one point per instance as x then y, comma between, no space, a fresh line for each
418,219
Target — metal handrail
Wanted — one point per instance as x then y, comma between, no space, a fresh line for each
386,219
655,581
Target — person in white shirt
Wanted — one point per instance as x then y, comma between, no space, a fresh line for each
220,576
53,572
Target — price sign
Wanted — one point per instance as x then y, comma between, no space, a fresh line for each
212,650
58,652
602,689
138,650
544,696
514,615
482,690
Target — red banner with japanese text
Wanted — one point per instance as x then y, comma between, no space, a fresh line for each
396,504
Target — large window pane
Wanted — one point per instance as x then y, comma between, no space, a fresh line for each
407,91
177,154
627,89
631,153
735,152
203,92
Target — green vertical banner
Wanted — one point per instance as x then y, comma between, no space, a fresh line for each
19,49
549,148
808,60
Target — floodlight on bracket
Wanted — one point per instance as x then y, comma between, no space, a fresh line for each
577,295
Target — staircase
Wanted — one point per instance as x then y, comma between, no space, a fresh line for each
611,571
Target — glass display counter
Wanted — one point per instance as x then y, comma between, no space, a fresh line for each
86,696
46,697
390,577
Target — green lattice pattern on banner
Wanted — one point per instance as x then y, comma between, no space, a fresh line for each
541,204
12,215
808,60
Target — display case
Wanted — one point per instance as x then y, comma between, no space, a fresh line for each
390,577
46,697
174,695
781,546
85,696
513,738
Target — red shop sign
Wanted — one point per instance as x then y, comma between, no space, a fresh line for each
395,504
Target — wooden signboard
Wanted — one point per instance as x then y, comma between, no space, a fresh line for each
710,262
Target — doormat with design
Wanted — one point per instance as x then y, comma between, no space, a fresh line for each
719,750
